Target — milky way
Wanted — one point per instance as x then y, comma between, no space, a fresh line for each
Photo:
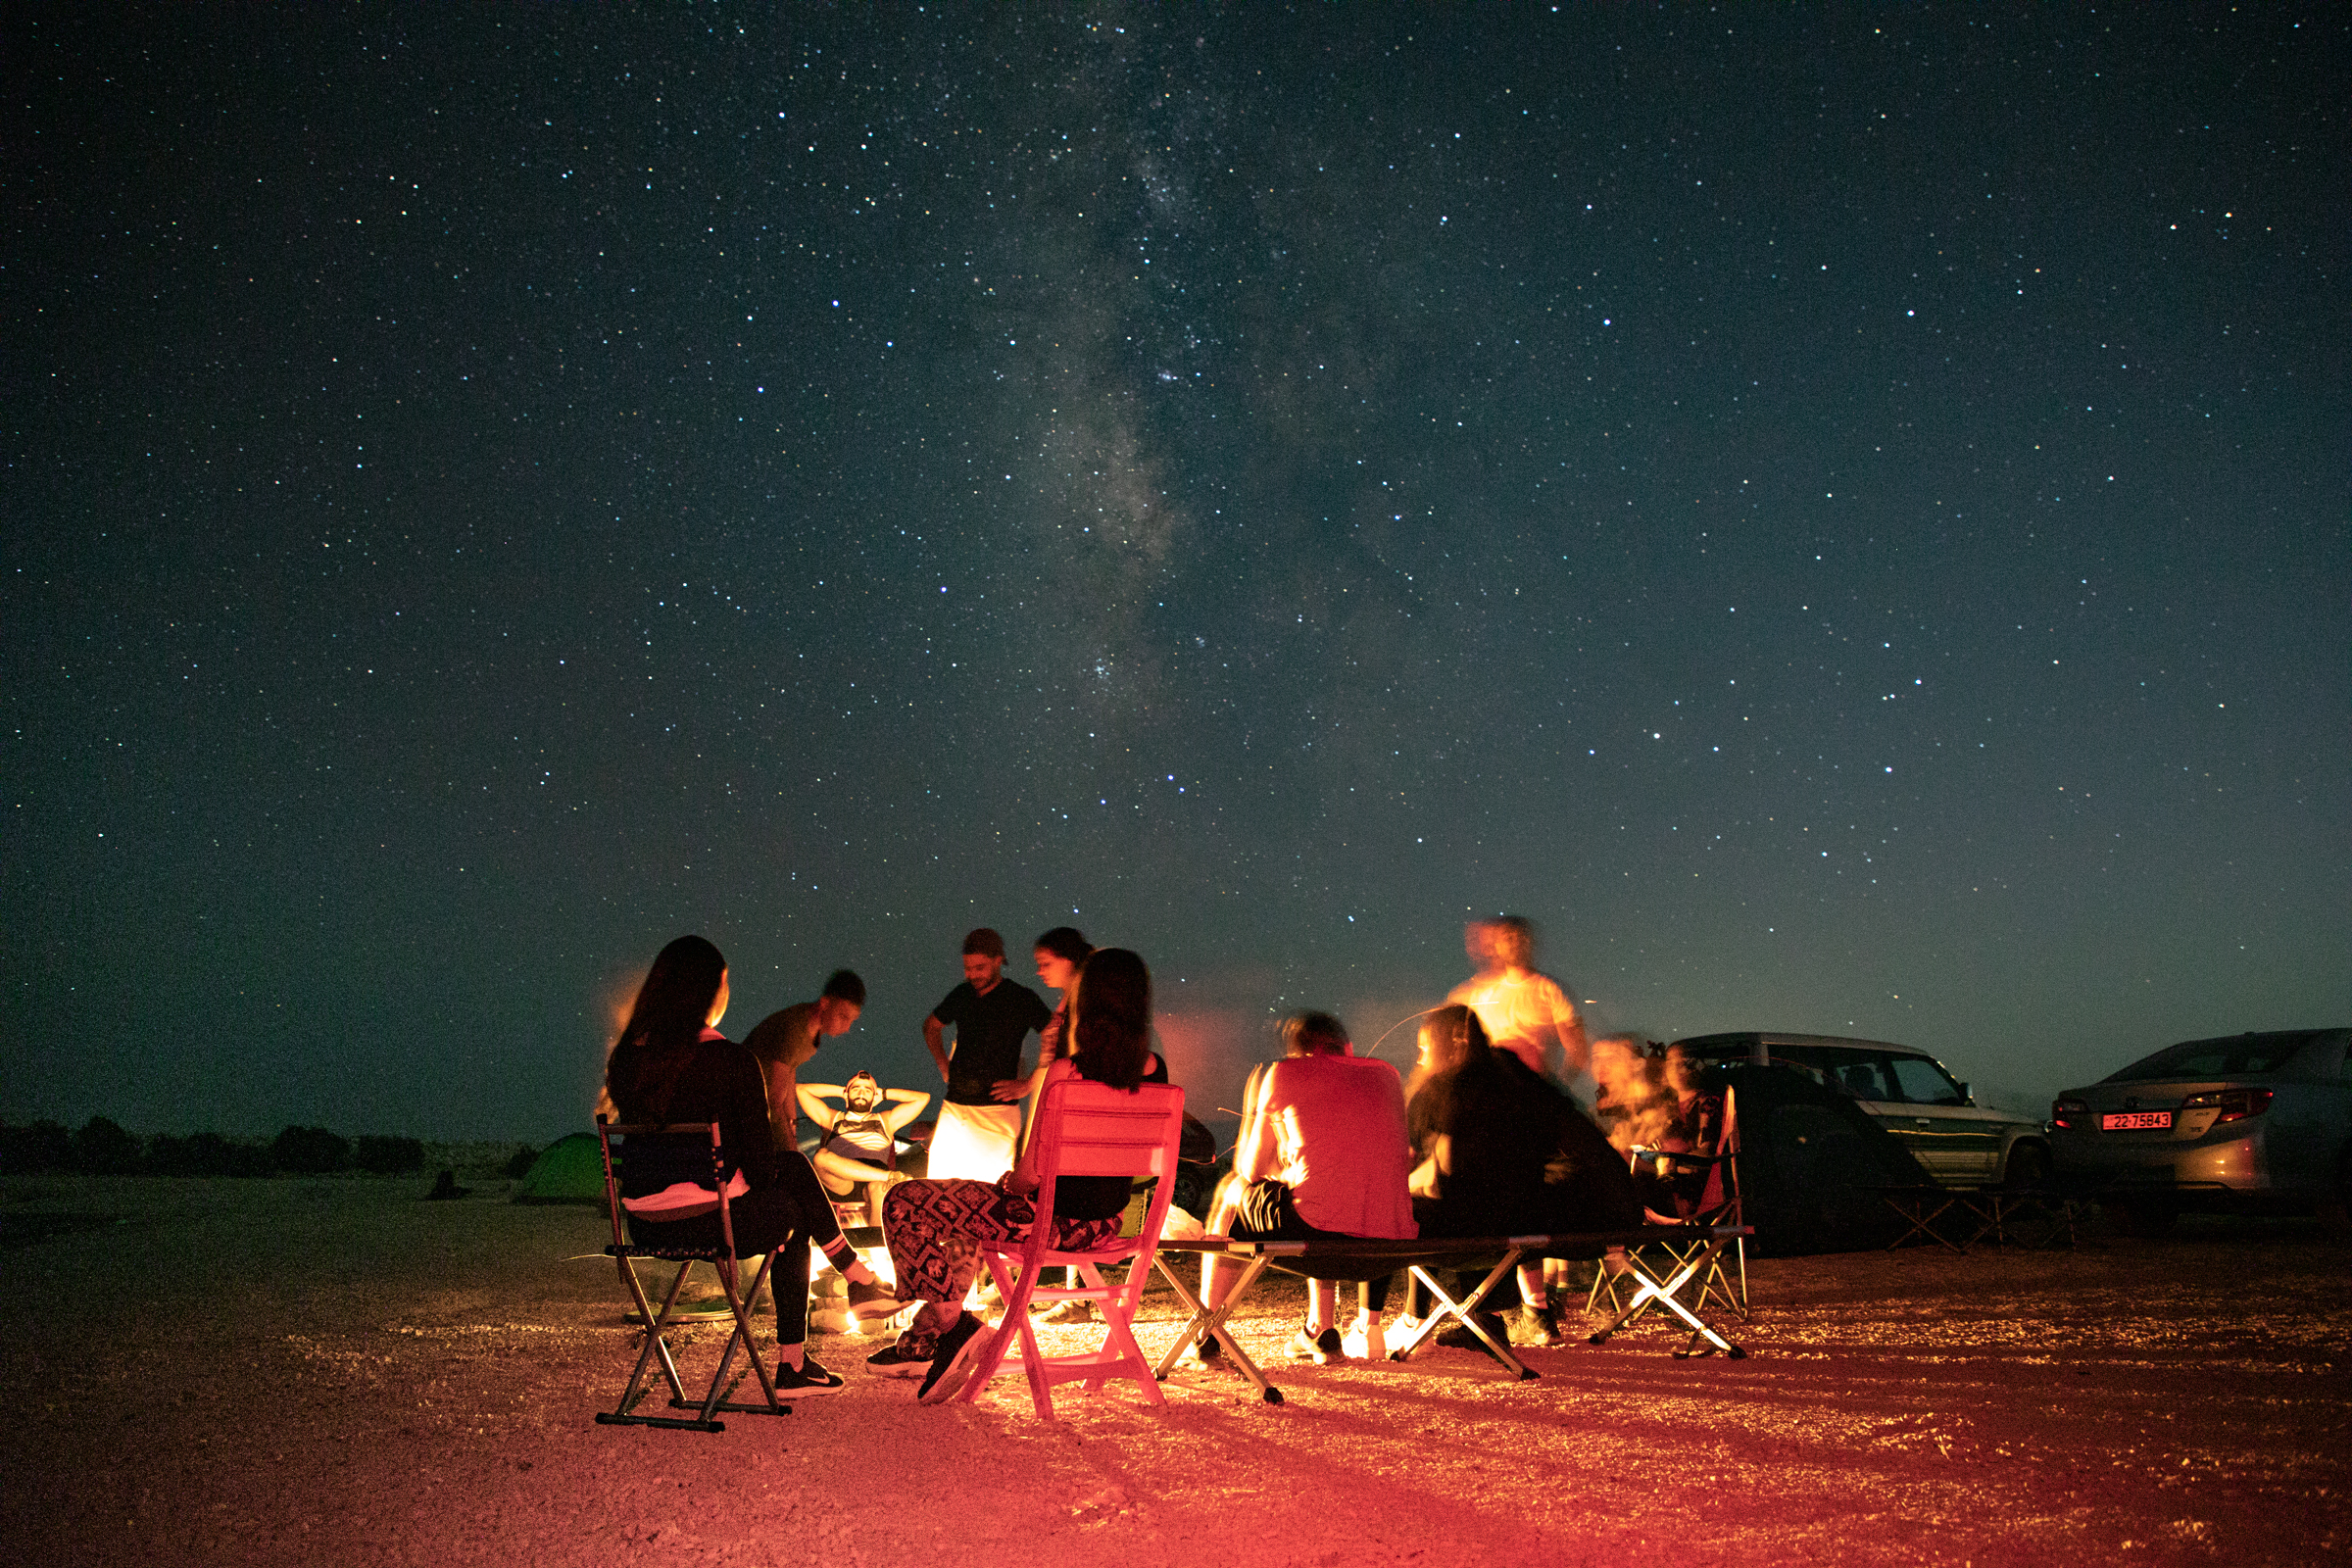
1842,521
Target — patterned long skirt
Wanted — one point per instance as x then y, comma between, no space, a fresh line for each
935,1231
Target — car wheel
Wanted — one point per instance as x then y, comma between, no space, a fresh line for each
2141,1216
2028,1168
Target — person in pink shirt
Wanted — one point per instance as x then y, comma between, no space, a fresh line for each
1323,1153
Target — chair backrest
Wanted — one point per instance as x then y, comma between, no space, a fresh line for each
1091,1129
670,1154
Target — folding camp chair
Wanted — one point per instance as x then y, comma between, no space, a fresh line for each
1718,1204
1087,1129
676,1149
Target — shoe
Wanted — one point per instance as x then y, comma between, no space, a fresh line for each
1457,1336
1536,1326
908,1356
952,1362
862,1295
1364,1341
1321,1349
806,1381
1210,1351
1073,1311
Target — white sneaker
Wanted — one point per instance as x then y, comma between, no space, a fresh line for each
1363,1341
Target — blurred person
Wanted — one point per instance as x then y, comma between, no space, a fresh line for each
935,1226
1058,954
671,1064
858,1141
1322,1153
1694,1126
1631,1101
784,1041
1523,1012
1500,1152
980,1115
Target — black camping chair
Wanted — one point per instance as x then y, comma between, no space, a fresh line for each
691,1150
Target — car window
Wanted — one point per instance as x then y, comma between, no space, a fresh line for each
1865,1079
1921,1083
2215,1059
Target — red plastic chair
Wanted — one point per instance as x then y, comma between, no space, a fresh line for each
1087,1129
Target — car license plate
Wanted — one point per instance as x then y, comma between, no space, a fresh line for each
2123,1121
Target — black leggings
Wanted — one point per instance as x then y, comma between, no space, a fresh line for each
781,1221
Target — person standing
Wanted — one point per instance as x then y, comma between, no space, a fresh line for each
783,1041
1523,1012
980,1115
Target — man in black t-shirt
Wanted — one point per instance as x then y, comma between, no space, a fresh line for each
993,1017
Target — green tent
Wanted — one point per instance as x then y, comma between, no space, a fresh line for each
572,1170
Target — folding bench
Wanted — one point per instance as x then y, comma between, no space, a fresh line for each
676,1148
1702,1246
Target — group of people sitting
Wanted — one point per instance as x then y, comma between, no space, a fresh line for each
671,1064
1478,1143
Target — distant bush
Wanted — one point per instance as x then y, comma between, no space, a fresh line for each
388,1156
43,1146
521,1165
309,1150
205,1155
104,1148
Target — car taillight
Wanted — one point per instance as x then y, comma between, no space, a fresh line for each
2071,1112
2235,1104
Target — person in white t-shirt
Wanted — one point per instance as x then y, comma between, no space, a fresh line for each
1523,1012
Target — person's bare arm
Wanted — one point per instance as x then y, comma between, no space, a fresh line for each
935,1039
813,1107
783,1098
1008,1090
1023,1178
906,1104
1575,1052
1428,1177
1256,1155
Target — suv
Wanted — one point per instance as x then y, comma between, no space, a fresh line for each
1909,1093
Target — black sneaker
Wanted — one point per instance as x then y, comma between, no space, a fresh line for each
951,1363
909,1357
806,1381
863,1296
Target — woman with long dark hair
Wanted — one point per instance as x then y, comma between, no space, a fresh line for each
936,1227
1499,1151
671,1064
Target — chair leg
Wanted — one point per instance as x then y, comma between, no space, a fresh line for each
992,1355
1207,1321
657,1322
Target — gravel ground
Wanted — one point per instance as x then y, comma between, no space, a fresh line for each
334,1371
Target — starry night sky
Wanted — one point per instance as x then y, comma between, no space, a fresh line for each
1840,517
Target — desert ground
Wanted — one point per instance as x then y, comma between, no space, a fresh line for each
334,1371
